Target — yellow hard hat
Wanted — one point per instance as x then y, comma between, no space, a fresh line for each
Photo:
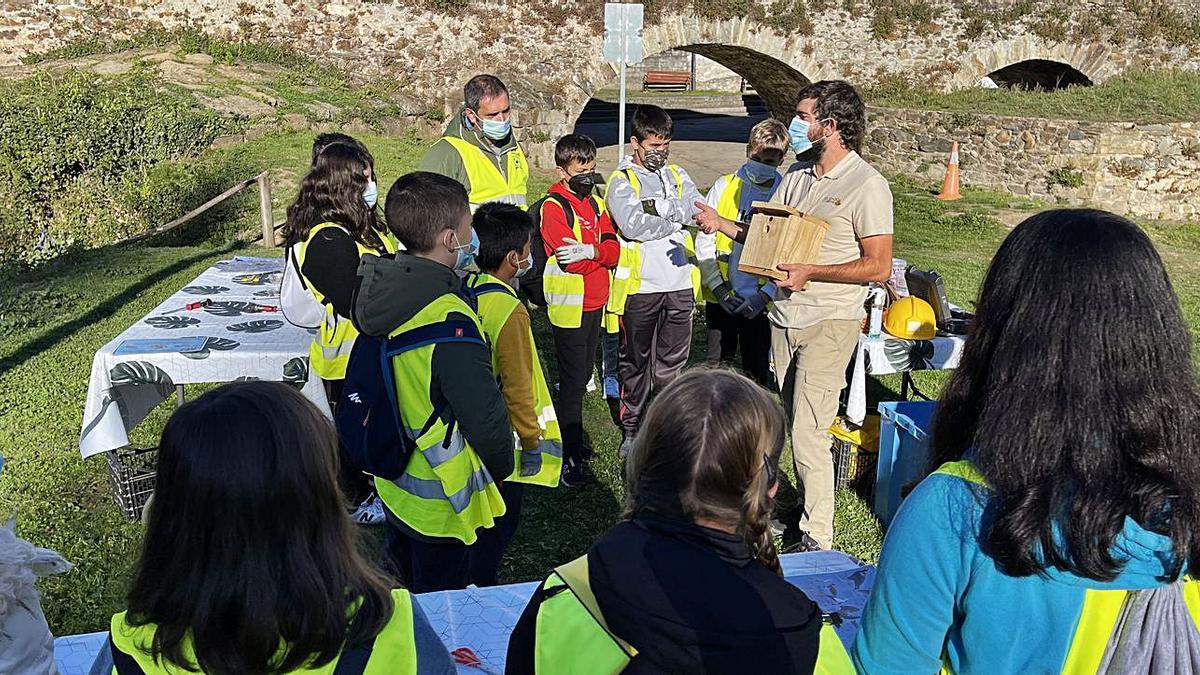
910,318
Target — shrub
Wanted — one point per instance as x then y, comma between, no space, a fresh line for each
1065,177
73,144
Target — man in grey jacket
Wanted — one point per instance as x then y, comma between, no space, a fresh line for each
651,203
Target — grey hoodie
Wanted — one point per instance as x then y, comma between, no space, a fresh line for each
391,291
665,264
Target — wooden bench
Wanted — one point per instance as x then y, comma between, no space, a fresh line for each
667,80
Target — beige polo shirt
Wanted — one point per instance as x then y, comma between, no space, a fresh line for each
856,201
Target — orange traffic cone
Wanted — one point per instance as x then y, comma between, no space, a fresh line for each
950,182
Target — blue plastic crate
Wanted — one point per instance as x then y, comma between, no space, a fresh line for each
903,451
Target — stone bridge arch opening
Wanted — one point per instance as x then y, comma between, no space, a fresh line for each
770,88
1039,75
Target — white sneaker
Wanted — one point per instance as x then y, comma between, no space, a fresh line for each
591,385
370,512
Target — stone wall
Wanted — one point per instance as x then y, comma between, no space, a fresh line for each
1145,170
549,50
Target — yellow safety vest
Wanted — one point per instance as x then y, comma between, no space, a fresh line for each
496,302
727,207
1101,608
445,490
487,183
393,651
627,276
572,636
564,291
330,349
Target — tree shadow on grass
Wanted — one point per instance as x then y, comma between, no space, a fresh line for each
82,263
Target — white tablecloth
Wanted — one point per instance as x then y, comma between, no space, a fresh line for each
234,338
888,355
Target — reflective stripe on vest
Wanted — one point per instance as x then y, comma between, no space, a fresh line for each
542,465
487,183
1101,608
727,207
626,279
572,635
445,490
393,650
329,352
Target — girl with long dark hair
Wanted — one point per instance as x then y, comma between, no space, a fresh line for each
1061,515
690,581
250,564
330,226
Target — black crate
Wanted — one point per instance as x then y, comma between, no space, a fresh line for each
854,467
131,473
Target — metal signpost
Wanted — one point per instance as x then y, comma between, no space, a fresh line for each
622,45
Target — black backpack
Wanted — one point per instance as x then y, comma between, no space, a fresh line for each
368,414
531,284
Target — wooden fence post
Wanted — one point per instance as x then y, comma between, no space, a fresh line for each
264,208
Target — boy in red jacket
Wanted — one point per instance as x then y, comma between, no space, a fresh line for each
582,250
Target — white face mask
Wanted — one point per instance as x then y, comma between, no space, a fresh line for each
521,271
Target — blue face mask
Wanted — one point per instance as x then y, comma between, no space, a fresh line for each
466,252
759,172
371,194
497,131
798,135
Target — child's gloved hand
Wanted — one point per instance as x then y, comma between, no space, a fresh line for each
573,252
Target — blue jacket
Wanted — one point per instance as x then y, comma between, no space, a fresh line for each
938,600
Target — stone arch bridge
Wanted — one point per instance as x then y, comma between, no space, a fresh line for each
549,50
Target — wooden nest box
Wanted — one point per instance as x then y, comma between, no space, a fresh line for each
780,234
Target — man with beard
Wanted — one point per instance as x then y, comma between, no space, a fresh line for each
816,322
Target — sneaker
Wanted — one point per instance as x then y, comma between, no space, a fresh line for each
370,512
612,388
576,473
591,385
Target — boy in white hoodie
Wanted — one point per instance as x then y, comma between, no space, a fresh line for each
651,203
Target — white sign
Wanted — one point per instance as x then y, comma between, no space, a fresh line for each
623,32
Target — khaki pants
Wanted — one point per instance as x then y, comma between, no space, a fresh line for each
810,364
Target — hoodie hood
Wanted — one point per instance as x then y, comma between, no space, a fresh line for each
1149,559
458,127
392,290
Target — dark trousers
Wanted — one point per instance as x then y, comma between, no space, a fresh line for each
487,551
424,565
726,332
611,364
657,340
356,485
576,351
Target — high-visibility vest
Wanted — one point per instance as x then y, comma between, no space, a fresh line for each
445,491
394,649
330,349
487,183
627,279
1101,608
727,207
496,301
572,635
564,291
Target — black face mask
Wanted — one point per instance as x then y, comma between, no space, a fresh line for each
583,184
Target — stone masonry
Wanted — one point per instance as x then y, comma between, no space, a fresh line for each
1144,170
549,50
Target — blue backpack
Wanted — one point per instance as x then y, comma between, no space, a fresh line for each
368,414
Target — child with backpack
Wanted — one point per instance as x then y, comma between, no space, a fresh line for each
504,255
582,248
455,436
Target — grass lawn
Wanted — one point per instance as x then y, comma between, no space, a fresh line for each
58,316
